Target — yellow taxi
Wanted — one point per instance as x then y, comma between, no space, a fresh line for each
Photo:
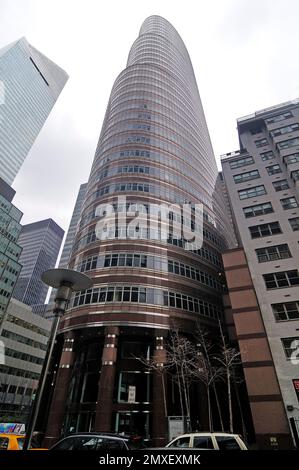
11,441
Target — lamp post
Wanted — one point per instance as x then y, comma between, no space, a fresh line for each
65,281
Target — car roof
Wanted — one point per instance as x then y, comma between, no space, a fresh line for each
102,434
207,434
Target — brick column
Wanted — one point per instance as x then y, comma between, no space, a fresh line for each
103,419
159,433
57,408
269,417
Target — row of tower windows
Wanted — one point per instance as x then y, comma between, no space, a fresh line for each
140,260
147,295
202,252
169,176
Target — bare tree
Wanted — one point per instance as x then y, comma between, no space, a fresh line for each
204,370
229,358
236,380
188,361
179,357
218,405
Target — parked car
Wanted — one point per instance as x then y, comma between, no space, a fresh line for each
99,441
209,441
11,441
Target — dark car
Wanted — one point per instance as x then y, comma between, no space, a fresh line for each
99,441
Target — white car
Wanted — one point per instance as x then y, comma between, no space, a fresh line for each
208,441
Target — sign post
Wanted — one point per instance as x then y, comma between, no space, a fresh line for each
132,394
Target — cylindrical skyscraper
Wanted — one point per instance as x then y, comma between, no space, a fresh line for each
154,148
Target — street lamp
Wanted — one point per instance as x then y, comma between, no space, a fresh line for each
65,281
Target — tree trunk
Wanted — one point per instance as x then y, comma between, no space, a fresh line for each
244,431
164,393
185,393
229,396
218,407
209,409
180,391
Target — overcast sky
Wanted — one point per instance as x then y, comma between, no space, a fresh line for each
244,54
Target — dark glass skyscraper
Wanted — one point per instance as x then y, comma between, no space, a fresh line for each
154,148
40,242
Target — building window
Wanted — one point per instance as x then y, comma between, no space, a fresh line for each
289,203
293,158
241,162
284,130
279,117
273,169
137,139
134,387
133,349
144,127
144,116
261,143
88,264
282,279
128,422
290,345
24,340
294,223
280,185
259,209
272,253
89,390
267,155
252,192
285,144
135,153
256,130
286,311
249,175
265,230
295,175
133,169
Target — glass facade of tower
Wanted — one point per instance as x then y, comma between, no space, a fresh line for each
154,148
40,242
69,240
30,86
10,250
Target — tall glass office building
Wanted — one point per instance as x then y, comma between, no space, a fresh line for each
154,148
40,242
10,250
30,84
69,240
